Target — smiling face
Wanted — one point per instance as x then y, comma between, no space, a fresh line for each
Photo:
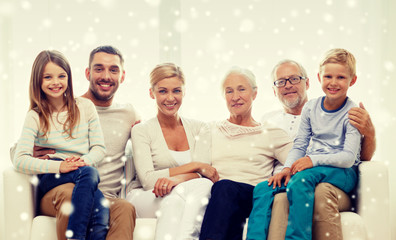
335,80
54,82
292,97
105,75
168,94
239,95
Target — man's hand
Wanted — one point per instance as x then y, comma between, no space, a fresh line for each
301,164
41,152
277,179
360,119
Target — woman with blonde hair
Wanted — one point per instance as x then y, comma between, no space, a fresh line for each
172,160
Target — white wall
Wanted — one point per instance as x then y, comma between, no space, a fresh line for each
205,38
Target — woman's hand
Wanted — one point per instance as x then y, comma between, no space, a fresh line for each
164,186
71,164
208,171
277,179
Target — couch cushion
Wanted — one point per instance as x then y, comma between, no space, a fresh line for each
43,228
353,226
145,229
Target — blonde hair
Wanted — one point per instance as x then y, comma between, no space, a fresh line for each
165,70
340,56
38,99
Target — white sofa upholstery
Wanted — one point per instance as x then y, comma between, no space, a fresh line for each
372,220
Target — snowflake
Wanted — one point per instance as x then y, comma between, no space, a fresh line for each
158,213
26,5
105,203
328,18
123,181
24,216
204,201
34,180
67,208
351,3
246,25
69,233
389,66
153,3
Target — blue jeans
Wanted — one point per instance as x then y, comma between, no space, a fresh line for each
229,206
89,218
301,195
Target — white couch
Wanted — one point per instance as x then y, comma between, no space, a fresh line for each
372,220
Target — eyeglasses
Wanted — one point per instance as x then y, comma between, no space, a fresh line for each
281,82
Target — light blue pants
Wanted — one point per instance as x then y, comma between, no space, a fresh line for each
300,193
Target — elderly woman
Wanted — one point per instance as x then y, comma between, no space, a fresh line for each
243,152
169,154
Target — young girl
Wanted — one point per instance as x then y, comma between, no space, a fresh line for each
70,126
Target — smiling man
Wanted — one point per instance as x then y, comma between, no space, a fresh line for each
104,73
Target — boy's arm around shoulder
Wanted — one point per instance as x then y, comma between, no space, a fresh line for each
360,118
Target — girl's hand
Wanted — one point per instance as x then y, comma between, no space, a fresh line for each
277,179
70,165
208,171
76,159
301,164
164,186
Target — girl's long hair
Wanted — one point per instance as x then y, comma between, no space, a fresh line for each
38,99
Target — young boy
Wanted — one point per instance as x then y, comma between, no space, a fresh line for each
332,156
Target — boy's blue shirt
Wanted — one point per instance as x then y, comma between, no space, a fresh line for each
335,142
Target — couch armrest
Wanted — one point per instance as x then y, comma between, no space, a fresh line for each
19,204
373,199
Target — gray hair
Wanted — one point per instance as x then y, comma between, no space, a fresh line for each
302,69
242,72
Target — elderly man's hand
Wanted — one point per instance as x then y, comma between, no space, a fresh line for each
360,119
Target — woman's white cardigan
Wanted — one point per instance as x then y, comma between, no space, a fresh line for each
151,155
